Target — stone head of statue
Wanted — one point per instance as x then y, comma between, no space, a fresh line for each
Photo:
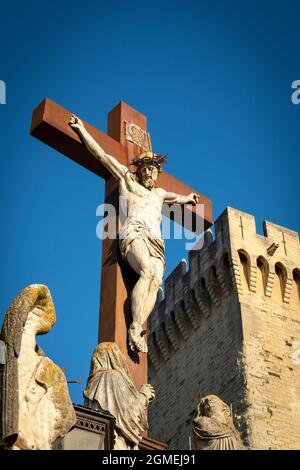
42,314
213,428
33,306
107,356
148,165
212,406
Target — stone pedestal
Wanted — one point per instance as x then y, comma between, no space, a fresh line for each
94,430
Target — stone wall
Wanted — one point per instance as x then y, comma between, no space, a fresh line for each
229,326
268,285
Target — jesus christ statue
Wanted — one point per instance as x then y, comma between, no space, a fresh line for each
140,240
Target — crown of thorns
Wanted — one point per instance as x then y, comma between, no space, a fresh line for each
149,158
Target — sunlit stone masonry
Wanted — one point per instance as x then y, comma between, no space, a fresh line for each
229,325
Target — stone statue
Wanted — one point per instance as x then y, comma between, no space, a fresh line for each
35,405
110,388
141,243
213,428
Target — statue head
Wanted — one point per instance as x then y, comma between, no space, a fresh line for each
212,406
107,356
213,428
148,165
33,304
42,314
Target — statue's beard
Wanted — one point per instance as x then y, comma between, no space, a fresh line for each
148,183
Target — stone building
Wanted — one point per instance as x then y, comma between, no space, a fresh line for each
230,326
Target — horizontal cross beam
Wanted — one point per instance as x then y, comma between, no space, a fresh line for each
50,125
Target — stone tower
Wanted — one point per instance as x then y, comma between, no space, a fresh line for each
230,326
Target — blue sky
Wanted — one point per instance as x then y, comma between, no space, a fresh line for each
214,79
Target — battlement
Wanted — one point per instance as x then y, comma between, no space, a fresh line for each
238,262
228,324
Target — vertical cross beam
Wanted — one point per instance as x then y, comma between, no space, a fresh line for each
117,278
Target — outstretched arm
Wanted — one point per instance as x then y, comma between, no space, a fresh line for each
173,198
116,169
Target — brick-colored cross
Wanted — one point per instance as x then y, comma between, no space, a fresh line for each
50,125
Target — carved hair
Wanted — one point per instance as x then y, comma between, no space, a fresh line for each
149,158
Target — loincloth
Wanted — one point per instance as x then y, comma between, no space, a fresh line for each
132,230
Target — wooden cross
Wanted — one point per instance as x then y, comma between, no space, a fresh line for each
50,125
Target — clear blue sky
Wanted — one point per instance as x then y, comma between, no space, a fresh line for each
214,79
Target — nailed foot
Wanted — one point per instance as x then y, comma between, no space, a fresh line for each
135,338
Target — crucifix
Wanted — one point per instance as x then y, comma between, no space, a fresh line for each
125,140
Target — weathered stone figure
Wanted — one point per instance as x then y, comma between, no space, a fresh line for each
110,388
140,237
35,405
213,428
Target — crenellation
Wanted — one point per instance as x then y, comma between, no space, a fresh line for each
191,308
223,276
275,231
173,332
181,320
155,362
202,299
174,282
213,287
232,322
162,342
